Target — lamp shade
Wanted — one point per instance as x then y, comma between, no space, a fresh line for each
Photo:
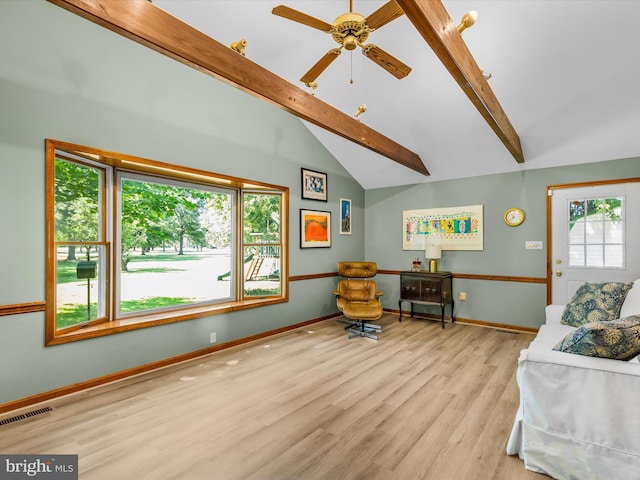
433,251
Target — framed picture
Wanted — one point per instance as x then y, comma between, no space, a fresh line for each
453,228
345,216
314,185
315,229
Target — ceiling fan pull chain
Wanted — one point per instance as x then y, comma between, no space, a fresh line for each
351,67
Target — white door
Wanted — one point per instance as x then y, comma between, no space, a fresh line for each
595,236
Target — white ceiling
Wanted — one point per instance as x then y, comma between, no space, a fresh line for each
566,72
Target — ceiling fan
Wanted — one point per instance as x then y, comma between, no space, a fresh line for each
350,30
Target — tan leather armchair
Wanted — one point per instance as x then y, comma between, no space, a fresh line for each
358,298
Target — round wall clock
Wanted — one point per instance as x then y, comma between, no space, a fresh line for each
513,217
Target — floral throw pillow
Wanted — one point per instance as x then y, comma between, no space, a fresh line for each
595,302
617,339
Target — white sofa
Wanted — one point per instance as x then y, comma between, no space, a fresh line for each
579,416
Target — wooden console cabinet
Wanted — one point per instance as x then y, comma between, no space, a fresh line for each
425,288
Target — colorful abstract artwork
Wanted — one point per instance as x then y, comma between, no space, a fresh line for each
315,229
453,228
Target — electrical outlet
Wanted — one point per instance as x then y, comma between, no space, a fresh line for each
212,337
462,296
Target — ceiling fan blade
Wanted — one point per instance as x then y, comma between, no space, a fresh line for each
385,14
390,63
320,66
291,14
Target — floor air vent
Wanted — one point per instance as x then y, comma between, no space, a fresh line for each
22,416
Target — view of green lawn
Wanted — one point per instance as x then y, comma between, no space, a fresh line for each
153,280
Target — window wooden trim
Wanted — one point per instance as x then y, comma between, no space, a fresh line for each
151,320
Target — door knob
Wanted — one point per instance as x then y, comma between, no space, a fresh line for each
558,273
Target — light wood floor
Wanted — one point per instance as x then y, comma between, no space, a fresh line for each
421,403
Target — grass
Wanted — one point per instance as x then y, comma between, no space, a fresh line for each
156,270
67,269
262,292
168,257
73,314
152,302
67,272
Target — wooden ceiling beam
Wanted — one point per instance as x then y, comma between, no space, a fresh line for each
151,26
432,21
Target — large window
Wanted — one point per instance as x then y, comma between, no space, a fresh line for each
134,243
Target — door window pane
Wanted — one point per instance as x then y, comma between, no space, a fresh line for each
613,232
614,256
596,232
576,255
595,256
576,233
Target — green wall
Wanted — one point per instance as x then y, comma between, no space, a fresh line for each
65,78
509,303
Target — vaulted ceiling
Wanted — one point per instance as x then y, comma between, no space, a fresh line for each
564,72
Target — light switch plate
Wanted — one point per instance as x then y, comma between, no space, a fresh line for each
533,245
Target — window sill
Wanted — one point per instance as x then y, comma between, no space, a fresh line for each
146,321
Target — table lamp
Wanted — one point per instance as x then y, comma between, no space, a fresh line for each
433,252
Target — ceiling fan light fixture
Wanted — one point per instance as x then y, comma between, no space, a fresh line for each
312,86
468,19
350,42
239,46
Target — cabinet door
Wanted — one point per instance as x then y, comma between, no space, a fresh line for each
409,287
431,290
